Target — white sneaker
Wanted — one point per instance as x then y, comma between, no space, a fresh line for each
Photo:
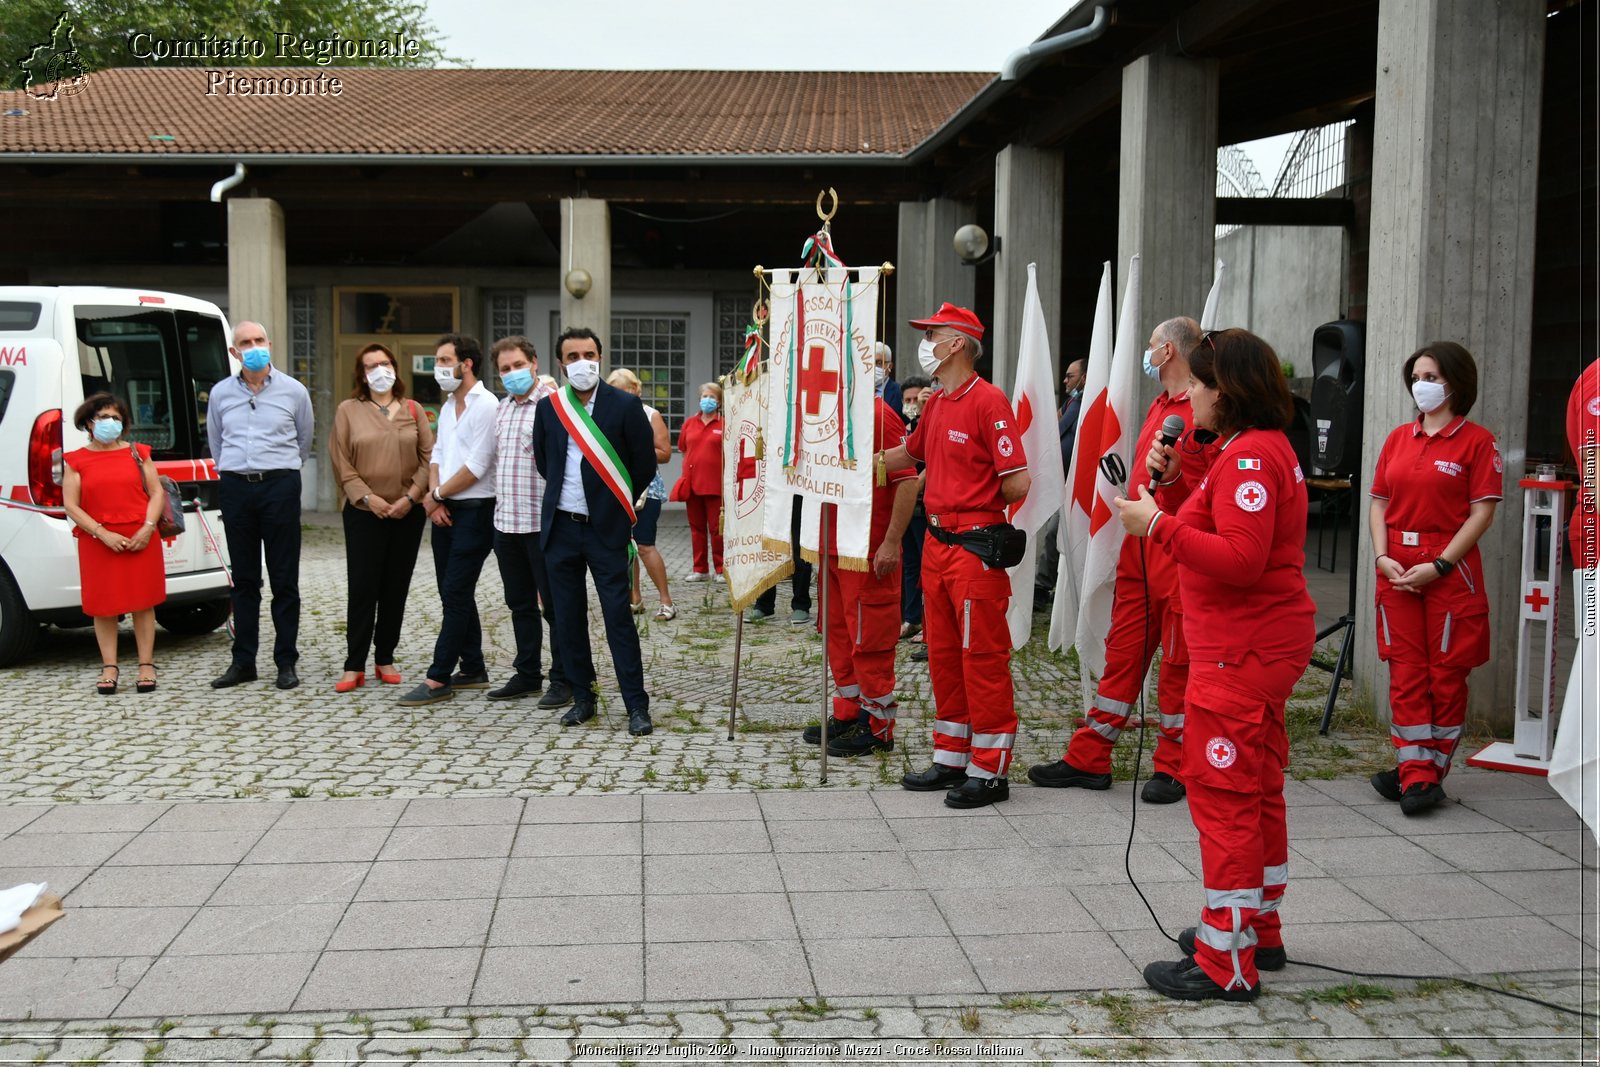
696,576
720,579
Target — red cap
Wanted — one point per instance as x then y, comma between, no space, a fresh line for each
956,318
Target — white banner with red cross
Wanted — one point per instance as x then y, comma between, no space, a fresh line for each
819,437
750,564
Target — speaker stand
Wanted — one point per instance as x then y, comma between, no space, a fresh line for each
1347,623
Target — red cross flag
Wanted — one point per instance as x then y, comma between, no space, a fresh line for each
1033,399
1538,601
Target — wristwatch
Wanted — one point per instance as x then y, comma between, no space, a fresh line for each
435,494
366,501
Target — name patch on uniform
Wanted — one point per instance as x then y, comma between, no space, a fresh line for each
958,436
1220,753
1251,496
1004,445
1299,475
1449,467
1249,464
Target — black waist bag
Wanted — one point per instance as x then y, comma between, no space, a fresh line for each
1001,545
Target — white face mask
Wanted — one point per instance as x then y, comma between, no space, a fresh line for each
927,357
1430,396
446,377
584,374
380,379
879,376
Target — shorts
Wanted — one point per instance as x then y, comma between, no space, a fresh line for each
644,526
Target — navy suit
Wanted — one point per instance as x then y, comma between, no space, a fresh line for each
597,543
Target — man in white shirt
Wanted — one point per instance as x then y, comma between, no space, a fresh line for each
460,505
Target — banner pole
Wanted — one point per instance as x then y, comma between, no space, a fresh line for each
822,606
738,646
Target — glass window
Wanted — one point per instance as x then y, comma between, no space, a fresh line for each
8,379
656,348
303,336
733,315
205,348
508,315
377,311
18,315
162,364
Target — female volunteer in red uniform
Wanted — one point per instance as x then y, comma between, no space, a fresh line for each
1433,495
1238,542
700,484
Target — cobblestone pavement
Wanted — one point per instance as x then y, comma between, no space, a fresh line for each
1507,866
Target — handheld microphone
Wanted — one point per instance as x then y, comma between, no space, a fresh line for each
1171,430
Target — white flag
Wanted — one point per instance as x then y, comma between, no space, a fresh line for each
1208,317
1033,400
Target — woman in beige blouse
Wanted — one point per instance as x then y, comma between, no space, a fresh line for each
380,448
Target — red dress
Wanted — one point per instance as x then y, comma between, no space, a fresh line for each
112,492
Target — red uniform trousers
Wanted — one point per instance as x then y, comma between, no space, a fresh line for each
863,628
1431,641
969,659
705,524
1233,767
1129,648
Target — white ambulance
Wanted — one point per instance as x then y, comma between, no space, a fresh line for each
161,353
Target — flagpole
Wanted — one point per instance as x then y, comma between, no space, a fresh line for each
738,645
822,606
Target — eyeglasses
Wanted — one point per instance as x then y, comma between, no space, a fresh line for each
1206,339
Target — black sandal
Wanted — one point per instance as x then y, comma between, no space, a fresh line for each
103,687
142,686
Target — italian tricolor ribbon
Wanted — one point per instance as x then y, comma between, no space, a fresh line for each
595,447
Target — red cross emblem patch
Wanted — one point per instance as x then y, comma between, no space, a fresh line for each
1251,496
1220,753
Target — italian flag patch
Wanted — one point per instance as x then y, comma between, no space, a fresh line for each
1249,464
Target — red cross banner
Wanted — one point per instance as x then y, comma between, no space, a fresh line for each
819,401
750,565
1538,599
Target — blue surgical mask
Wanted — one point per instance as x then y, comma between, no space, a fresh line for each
708,405
1152,371
1075,394
517,382
107,430
255,359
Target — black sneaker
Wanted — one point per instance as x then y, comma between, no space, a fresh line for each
1387,783
517,688
462,680
812,735
1185,980
856,740
1420,797
976,792
1061,775
938,776
1162,788
1267,959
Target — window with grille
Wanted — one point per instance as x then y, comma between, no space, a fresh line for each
303,336
733,315
656,348
507,316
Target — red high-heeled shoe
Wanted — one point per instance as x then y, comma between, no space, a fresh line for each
345,685
390,677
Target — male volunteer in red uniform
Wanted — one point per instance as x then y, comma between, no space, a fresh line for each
1145,611
969,441
863,623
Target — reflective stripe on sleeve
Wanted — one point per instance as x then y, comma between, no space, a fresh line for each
1278,874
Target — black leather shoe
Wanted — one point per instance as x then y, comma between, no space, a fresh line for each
976,792
856,739
515,689
461,680
919,654
938,776
1387,784
1267,959
812,735
1162,788
1420,797
1061,775
559,695
287,678
234,675
1185,980
639,723
577,713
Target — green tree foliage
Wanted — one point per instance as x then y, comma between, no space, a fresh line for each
103,29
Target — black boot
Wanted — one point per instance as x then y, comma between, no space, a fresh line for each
1185,980
1061,775
937,776
1387,783
1420,797
1162,788
976,792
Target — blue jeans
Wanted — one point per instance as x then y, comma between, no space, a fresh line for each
458,554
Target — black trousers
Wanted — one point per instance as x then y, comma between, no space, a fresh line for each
458,554
379,556
570,552
911,568
799,581
523,574
259,516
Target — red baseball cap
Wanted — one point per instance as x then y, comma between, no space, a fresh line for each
956,318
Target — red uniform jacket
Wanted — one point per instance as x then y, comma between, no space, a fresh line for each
701,445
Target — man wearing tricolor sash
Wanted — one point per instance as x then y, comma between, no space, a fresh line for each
593,446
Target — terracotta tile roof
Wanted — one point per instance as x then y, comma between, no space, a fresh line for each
385,111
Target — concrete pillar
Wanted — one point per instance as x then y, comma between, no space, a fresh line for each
1166,194
1029,201
258,283
1454,186
586,245
927,272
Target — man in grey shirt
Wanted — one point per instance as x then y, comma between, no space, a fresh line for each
259,426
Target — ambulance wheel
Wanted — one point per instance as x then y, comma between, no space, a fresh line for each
18,631
200,617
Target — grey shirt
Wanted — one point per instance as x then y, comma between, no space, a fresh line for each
266,431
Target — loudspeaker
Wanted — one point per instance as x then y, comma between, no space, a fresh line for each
1338,356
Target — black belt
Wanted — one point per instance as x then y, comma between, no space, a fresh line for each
257,476
575,516
467,503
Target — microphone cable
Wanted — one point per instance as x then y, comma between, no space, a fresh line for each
1133,822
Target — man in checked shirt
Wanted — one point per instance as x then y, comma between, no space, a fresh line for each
519,491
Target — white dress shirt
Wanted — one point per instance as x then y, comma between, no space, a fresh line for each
572,498
468,441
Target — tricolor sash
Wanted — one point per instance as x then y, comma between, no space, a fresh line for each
595,448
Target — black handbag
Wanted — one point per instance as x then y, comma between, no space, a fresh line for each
171,523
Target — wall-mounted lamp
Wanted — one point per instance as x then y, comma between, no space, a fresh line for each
972,245
578,282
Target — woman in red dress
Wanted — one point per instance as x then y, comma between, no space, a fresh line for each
114,498
700,441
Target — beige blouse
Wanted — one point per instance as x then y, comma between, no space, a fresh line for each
378,455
